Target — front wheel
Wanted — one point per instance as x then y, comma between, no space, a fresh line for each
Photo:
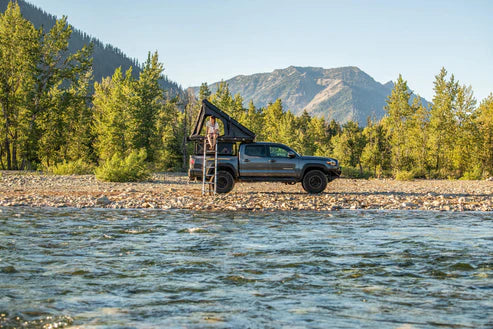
225,181
314,181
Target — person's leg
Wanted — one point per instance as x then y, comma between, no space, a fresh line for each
209,140
214,140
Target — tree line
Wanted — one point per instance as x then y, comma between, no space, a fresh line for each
52,113
451,138
55,118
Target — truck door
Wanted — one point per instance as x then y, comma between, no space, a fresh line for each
254,161
281,164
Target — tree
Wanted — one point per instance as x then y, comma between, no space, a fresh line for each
484,123
254,120
376,153
170,129
467,139
150,99
204,91
348,146
115,100
397,124
19,49
272,119
442,128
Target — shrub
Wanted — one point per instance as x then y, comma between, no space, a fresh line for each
350,172
475,173
79,167
132,168
404,175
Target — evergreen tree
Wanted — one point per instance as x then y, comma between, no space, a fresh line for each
254,120
467,140
348,146
272,120
442,127
204,92
399,113
150,100
115,100
484,122
170,129
376,153
19,49
417,138
320,137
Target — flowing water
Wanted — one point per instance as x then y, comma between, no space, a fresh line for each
162,269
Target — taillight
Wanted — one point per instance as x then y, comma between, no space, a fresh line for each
192,162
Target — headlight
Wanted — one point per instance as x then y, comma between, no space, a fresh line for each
332,163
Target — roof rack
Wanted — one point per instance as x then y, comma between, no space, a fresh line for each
233,130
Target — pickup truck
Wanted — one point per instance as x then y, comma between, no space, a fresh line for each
267,162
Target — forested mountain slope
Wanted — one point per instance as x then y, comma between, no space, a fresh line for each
106,58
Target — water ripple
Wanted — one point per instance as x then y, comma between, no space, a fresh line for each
147,269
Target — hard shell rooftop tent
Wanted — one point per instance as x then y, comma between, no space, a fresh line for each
233,130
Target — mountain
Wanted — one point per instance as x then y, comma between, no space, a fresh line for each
106,58
343,94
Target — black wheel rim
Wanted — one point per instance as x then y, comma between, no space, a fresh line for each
315,182
221,182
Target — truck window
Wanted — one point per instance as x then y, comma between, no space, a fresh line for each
255,150
277,151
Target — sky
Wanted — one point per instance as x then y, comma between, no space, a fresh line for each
212,40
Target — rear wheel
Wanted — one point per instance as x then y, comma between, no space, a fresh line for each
225,181
314,181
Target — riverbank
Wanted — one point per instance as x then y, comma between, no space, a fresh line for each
173,191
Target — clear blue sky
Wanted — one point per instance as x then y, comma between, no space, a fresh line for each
206,41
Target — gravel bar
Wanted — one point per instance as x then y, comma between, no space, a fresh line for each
174,191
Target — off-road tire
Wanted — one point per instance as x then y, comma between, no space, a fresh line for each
314,181
225,181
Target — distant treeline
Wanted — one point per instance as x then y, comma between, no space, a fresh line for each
51,119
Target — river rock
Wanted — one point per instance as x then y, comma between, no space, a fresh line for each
103,201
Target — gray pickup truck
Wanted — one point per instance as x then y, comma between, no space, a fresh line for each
239,158
267,162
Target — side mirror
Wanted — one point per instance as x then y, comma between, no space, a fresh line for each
291,155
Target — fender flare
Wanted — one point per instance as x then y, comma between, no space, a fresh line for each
228,167
310,166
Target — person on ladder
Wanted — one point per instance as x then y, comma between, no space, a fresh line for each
212,132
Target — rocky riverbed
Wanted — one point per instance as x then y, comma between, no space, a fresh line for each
173,191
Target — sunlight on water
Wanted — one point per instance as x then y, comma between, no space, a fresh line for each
150,269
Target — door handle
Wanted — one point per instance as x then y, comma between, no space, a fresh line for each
246,160
272,160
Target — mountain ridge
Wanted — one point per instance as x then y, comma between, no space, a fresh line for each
342,93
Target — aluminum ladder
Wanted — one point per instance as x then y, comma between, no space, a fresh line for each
209,170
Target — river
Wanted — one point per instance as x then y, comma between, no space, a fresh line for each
90,268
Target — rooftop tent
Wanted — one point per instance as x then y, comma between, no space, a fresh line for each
233,130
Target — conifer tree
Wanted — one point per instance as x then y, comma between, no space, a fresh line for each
320,137
484,122
115,100
376,153
150,100
19,49
348,146
204,91
399,113
272,119
442,127
467,140
61,81
254,120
